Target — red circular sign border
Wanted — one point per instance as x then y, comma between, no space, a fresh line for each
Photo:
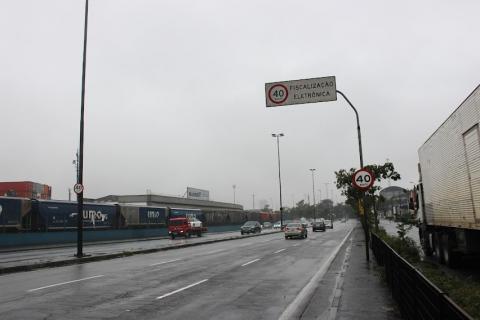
371,183
284,88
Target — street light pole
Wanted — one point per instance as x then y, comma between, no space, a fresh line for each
80,156
367,232
234,186
278,135
313,192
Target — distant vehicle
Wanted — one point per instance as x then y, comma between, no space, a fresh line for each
267,225
449,188
329,224
185,227
277,225
251,227
318,226
295,230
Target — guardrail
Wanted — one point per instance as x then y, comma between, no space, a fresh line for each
417,297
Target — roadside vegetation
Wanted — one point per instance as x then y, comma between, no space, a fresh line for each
465,292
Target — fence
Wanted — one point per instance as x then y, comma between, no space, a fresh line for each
417,297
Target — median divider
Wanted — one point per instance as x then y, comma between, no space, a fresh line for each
93,258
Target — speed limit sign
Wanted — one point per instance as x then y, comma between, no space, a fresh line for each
78,188
363,179
278,94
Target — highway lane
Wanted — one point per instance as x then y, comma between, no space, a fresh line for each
10,258
249,278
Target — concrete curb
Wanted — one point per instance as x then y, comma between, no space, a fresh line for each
87,259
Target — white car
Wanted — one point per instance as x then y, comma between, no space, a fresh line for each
276,225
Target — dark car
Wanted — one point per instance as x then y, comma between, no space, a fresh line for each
251,227
318,226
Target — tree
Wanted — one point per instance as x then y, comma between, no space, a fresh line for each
370,197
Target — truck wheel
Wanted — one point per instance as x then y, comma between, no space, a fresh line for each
187,235
426,241
241,232
438,247
172,236
449,256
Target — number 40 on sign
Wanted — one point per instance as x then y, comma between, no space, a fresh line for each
363,179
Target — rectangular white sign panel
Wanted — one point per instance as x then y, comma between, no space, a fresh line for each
198,194
300,91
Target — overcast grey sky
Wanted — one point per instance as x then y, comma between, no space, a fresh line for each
175,90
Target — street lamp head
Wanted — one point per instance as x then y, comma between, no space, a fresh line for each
274,135
280,134
312,169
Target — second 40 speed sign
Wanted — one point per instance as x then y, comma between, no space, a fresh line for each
363,179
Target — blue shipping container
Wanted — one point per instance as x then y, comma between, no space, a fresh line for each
152,215
11,212
63,215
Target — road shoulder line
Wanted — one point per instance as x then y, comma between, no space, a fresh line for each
296,307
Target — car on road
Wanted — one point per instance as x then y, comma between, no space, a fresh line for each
277,225
267,225
251,227
295,230
318,226
329,224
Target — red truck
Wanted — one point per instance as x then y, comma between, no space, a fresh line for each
185,227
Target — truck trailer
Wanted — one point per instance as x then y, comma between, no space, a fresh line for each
449,186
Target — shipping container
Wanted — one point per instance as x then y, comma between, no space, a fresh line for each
143,216
449,185
14,213
62,215
26,189
187,213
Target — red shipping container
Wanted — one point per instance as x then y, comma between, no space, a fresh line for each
26,189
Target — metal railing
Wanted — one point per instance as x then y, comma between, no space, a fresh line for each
417,297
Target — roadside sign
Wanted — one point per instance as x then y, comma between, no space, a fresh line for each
363,179
78,188
300,91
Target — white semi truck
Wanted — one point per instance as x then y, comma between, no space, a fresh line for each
449,187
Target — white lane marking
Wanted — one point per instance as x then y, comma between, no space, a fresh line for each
163,262
181,289
62,283
296,245
246,264
278,251
303,297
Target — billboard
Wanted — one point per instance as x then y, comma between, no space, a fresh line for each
198,194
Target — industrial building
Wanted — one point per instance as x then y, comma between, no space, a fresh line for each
169,201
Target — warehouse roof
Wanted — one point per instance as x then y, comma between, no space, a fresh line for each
160,200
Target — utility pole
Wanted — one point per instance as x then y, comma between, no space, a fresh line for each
313,192
253,200
278,135
80,157
234,187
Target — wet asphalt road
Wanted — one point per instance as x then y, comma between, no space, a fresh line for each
12,257
251,278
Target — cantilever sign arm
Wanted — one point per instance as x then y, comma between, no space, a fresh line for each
358,128
367,253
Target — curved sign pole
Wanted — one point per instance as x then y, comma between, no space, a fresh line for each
365,215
